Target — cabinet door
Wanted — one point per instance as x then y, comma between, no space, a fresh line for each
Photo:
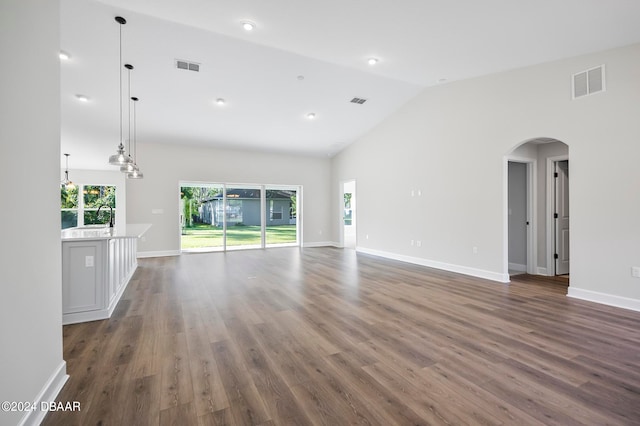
82,276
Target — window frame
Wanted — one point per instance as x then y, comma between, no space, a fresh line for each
80,209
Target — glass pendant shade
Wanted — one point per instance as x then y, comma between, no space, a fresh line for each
120,158
128,168
135,174
66,182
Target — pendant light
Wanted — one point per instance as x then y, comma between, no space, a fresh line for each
66,182
135,173
127,168
120,158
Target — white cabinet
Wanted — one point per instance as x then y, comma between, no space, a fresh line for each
83,276
95,273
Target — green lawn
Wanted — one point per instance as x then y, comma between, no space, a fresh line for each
202,235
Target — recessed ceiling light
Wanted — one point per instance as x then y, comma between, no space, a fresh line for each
442,80
220,101
311,115
64,55
248,25
82,98
372,61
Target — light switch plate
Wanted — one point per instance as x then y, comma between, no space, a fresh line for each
88,261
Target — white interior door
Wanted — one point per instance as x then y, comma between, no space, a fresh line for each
561,217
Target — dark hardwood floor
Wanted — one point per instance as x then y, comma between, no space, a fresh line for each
324,336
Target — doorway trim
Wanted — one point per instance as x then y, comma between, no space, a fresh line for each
551,262
532,208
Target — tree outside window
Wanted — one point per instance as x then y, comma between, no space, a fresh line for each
80,211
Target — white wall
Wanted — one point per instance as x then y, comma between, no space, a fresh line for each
30,305
450,142
164,166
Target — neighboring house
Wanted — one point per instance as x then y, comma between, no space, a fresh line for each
243,207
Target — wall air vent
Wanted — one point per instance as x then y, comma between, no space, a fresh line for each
358,101
185,65
588,82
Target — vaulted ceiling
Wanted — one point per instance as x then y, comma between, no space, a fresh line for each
301,57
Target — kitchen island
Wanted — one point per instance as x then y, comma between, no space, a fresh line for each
97,264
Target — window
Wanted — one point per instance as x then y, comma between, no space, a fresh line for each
275,214
81,211
69,206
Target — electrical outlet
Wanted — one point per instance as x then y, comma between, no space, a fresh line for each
419,243
475,250
88,261
366,237
635,271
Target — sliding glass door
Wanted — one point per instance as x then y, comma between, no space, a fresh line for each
244,222
281,211
201,217
216,216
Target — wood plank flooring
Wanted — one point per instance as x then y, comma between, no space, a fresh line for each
323,336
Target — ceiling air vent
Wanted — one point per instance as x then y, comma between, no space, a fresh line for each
588,82
185,65
358,101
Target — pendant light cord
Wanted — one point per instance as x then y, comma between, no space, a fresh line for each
135,137
129,67
120,71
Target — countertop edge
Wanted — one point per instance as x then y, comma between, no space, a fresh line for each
132,230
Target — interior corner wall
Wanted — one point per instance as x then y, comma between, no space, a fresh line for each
449,144
166,165
31,364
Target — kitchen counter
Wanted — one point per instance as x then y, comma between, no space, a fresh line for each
101,232
97,264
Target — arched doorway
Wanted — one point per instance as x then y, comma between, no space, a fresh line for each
536,194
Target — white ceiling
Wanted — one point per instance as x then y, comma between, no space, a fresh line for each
418,42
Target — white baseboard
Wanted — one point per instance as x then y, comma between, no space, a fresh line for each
479,273
320,244
517,267
606,299
143,254
49,392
